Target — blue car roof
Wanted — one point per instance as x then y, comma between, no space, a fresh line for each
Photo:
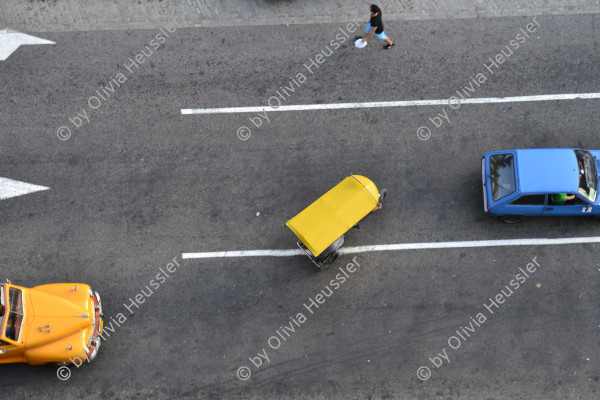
547,170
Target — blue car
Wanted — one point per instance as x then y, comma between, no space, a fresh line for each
532,182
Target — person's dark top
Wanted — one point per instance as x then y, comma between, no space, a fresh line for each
376,22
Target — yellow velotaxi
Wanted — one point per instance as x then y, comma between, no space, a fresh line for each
53,323
321,226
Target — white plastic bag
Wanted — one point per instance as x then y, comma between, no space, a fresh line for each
359,43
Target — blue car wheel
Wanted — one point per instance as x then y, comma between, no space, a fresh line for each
511,219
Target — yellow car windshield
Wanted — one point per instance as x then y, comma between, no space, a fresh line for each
2,310
12,325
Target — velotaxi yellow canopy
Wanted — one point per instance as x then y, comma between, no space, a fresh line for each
334,213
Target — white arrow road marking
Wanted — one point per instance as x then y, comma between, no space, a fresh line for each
406,103
402,246
10,188
11,40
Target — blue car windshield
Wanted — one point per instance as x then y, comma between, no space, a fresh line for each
588,177
502,175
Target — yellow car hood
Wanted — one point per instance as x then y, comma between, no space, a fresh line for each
54,318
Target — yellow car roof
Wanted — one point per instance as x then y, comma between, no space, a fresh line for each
334,213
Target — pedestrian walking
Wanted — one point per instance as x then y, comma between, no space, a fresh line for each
375,27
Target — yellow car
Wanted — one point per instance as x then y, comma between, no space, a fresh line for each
49,324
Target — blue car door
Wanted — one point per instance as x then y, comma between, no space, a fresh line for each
574,206
529,204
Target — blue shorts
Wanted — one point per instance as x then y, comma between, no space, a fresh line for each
381,35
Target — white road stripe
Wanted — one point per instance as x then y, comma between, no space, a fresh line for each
10,188
402,246
407,103
466,244
244,253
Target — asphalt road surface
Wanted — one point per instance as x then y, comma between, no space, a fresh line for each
140,184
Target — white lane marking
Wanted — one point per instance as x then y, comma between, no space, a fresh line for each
244,253
402,246
467,244
10,188
407,103
11,40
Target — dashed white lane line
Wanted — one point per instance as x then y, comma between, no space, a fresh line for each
11,188
401,246
407,103
244,253
11,40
